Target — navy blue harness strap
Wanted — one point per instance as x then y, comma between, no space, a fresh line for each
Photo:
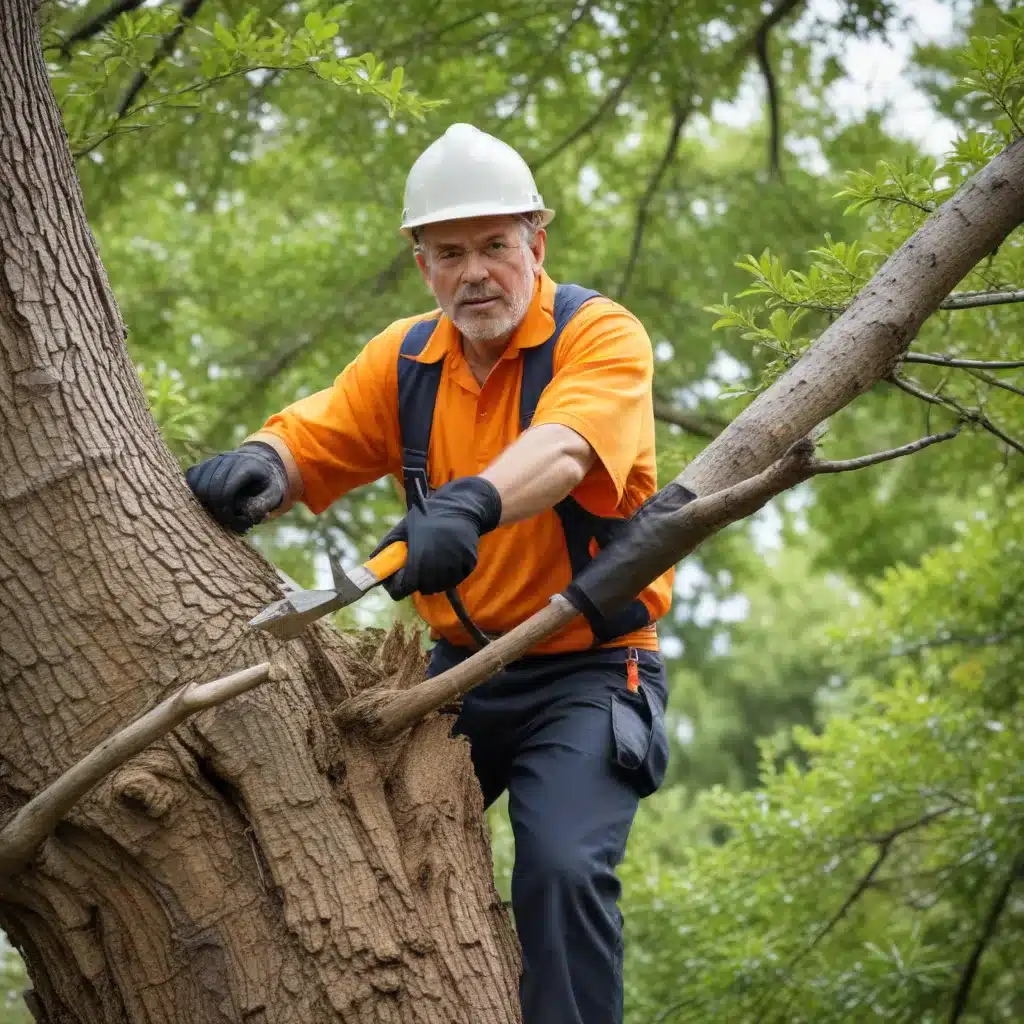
417,395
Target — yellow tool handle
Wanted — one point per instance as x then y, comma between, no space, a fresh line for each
389,561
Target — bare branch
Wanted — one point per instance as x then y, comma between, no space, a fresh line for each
996,382
859,889
34,822
701,426
767,72
94,25
937,359
911,826
580,11
988,930
971,300
845,465
951,403
612,99
189,9
680,112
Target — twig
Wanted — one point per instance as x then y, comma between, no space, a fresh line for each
845,465
580,11
611,99
885,838
97,23
996,382
951,403
700,426
971,300
680,112
963,991
189,9
767,72
937,359
33,822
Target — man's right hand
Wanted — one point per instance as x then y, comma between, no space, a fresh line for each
242,487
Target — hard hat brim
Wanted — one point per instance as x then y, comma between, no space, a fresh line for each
465,211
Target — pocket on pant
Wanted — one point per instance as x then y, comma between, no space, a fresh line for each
639,739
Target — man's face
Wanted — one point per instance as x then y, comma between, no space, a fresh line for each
482,273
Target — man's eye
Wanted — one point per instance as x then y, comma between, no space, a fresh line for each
497,246
450,254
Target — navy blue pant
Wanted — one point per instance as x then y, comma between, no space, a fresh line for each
576,751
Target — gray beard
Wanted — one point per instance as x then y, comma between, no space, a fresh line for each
479,330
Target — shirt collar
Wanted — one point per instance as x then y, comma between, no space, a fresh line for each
536,327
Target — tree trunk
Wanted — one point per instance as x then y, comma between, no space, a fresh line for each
256,864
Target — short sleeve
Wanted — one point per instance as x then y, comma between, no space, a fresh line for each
601,388
347,435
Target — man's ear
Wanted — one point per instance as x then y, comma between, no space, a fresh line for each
539,247
422,264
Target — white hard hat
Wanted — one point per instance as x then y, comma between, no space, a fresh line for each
468,173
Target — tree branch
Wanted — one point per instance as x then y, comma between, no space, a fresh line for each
384,713
988,930
951,403
580,11
760,44
611,99
189,9
996,382
680,112
971,300
966,364
94,25
701,426
34,822
845,465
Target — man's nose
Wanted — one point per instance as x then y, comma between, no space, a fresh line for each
475,269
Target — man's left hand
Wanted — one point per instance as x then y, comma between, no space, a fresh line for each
443,537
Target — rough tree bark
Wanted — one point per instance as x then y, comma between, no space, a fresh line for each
256,864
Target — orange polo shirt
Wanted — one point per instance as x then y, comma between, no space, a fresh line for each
348,435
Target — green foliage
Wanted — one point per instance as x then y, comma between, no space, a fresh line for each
256,44
13,981
858,888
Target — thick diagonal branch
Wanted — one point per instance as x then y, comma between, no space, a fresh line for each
34,822
864,344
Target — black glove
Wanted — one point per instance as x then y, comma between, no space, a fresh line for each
442,536
242,487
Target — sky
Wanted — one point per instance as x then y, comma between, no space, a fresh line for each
876,75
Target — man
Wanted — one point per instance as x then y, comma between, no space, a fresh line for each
519,420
